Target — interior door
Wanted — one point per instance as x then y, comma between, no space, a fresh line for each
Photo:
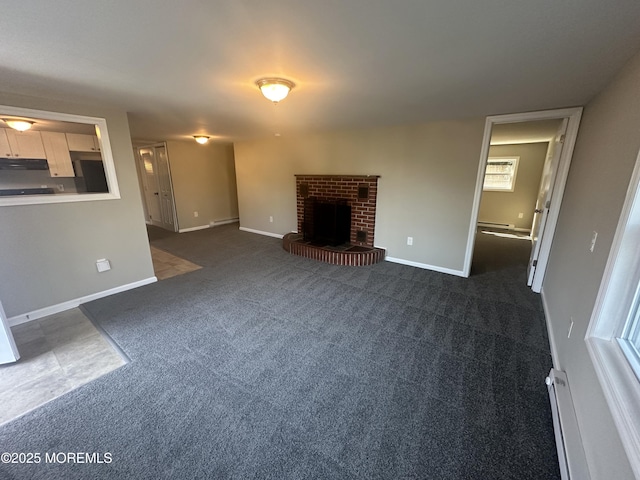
545,192
8,350
167,209
150,184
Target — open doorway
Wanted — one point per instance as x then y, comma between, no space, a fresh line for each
523,169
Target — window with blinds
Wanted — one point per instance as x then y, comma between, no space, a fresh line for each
500,175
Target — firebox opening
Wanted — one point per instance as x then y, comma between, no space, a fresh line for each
327,221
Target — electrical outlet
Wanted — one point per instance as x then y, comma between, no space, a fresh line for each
409,240
270,219
521,215
570,327
593,241
195,214
103,265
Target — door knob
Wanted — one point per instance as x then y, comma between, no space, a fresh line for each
537,210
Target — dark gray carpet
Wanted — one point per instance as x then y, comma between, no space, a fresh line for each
267,365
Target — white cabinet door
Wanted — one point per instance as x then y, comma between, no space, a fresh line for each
25,144
58,158
79,142
5,148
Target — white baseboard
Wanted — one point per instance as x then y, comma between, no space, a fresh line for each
458,273
193,229
68,305
552,339
215,223
260,232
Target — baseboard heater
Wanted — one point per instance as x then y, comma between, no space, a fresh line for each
504,226
571,456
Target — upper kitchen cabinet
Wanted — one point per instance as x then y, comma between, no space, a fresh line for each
80,142
58,157
5,148
21,144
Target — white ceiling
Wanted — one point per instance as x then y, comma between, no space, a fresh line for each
181,68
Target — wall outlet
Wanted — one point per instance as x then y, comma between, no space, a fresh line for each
521,215
103,265
195,214
570,327
409,240
593,241
270,219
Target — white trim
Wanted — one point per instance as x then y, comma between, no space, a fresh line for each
458,273
550,334
61,307
621,390
215,223
574,115
615,300
260,232
193,229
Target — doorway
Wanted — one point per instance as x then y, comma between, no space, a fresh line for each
158,196
551,180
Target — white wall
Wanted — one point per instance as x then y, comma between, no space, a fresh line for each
426,186
48,252
504,207
604,156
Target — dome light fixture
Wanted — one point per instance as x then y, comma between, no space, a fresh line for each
201,139
275,89
18,124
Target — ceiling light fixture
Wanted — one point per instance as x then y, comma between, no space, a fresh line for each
275,89
201,139
18,124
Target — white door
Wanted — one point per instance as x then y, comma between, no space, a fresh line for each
150,184
8,350
535,273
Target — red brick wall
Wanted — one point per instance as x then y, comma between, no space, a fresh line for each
363,211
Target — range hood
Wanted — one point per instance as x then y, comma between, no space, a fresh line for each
23,164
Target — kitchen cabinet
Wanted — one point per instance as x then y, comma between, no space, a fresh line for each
80,142
5,148
21,144
58,157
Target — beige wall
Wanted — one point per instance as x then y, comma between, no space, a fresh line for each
204,181
426,187
603,160
49,252
504,207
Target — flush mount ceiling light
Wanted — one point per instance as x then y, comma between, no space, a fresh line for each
201,139
275,89
18,124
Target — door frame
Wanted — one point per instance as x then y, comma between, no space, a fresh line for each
574,115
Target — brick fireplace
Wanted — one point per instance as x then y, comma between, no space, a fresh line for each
359,191
347,196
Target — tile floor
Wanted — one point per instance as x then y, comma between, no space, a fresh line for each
166,265
64,351
57,354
